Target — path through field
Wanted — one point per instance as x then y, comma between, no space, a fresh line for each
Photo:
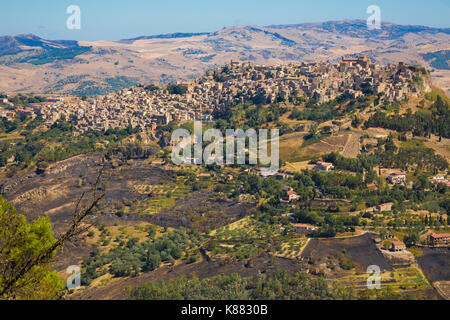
352,146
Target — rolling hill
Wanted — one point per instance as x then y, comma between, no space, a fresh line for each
31,64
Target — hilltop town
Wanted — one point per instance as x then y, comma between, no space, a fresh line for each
144,107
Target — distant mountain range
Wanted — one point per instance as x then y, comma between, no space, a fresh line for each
31,64
166,36
27,42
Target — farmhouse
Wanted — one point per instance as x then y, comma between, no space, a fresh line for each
385,206
439,238
398,246
284,175
264,172
304,228
397,178
324,166
289,193
292,195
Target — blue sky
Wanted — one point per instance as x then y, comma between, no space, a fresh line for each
119,19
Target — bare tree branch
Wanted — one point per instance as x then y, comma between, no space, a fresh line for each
74,229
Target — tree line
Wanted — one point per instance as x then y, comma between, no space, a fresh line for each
436,120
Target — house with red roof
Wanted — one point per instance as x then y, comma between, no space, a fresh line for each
304,228
398,246
324,166
439,238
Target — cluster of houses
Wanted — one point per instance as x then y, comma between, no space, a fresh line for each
434,239
4,112
232,84
135,107
8,114
32,110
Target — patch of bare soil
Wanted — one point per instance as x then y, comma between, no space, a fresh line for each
359,249
352,146
55,191
328,144
435,263
440,147
199,212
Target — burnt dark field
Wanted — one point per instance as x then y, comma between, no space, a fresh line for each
55,192
360,249
435,263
